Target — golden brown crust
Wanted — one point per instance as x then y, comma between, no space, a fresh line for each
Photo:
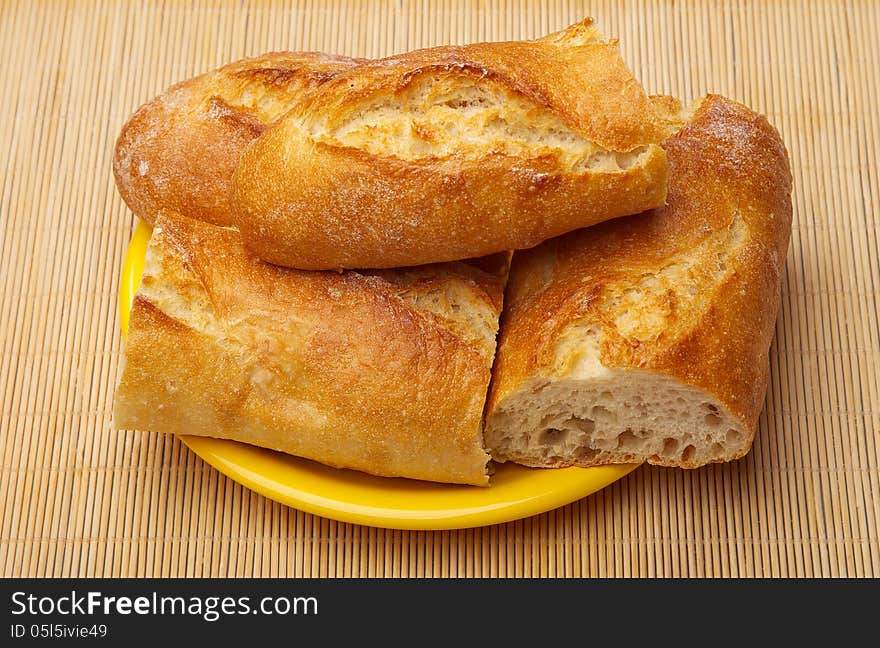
404,190
369,372
179,150
723,236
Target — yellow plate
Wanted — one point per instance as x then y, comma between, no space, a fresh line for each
350,496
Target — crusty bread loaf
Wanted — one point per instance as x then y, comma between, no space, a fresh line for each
179,150
646,338
452,152
385,373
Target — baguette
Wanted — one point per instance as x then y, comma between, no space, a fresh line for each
646,338
179,151
452,152
385,373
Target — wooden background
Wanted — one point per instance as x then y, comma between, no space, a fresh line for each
79,499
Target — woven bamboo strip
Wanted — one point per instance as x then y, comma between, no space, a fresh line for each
79,499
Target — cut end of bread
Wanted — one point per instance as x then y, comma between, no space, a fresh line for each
618,417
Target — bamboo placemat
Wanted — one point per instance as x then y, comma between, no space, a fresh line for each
79,499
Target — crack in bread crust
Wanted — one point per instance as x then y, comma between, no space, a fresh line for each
179,150
640,305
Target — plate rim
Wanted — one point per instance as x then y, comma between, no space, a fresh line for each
422,519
